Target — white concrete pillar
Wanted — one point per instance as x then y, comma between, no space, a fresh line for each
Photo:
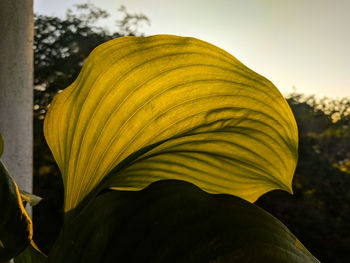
16,89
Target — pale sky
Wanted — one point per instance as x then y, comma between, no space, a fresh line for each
301,43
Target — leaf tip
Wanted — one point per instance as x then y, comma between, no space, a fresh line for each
289,188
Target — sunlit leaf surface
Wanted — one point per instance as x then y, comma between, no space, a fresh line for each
16,229
158,224
169,107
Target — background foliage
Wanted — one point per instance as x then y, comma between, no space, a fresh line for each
319,211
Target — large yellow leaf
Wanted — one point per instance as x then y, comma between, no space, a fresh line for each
169,107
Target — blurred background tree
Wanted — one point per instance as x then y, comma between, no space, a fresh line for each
61,46
319,211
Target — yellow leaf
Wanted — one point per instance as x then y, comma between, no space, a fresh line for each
170,107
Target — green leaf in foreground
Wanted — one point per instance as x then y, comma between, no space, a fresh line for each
169,107
31,254
175,221
15,226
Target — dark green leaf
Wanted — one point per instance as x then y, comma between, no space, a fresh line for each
15,226
174,221
31,254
